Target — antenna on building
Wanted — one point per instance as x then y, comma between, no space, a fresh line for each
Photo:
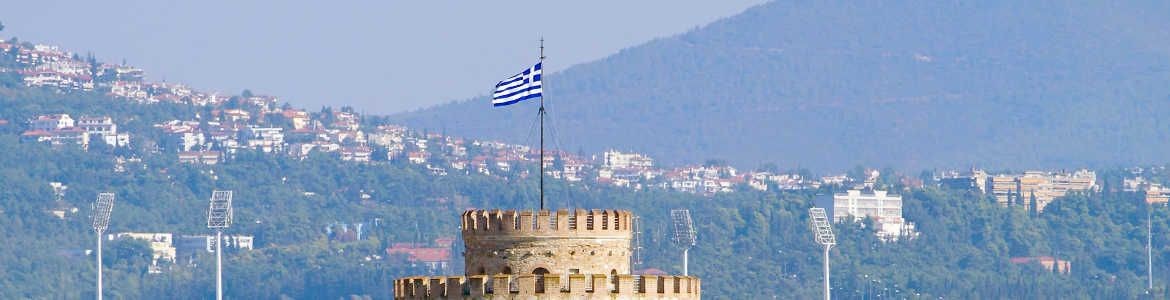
823,234
636,259
101,220
684,233
219,217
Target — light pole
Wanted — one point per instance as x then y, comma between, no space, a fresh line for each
219,217
101,220
1150,248
684,232
823,234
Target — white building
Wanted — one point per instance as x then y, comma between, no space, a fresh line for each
618,160
162,245
884,208
267,139
52,122
192,243
103,129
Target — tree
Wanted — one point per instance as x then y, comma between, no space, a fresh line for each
769,167
715,162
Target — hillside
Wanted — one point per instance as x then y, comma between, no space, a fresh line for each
751,242
829,86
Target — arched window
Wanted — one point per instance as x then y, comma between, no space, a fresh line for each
508,270
540,272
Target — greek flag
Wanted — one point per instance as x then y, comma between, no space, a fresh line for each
519,87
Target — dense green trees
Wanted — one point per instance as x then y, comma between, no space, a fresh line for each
749,242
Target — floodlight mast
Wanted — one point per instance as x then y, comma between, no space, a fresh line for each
684,233
636,258
101,220
823,234
219,217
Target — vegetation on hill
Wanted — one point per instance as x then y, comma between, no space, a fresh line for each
826,86
750,242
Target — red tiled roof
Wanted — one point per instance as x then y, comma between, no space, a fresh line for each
421,254
35,133
1028,259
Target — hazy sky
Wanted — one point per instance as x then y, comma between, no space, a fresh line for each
379,56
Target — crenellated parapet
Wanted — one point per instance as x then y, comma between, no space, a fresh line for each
539,223
541,254
552,286
541,241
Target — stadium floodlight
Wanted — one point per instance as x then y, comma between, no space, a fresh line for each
101,220
101,211
823,234
636,258
219,217
684,233
219,213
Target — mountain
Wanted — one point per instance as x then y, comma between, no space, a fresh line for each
828,85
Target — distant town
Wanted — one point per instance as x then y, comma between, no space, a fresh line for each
261,123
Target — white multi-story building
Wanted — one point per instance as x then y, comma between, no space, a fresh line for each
162,245
104,129
193,243
52,122
884,208
267,139
618,160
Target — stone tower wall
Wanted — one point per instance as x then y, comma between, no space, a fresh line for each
574,286
530,242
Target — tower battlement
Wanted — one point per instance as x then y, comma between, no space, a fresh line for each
563,222
574,286
542,254
542,242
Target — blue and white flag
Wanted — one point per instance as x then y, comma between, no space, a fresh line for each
519,87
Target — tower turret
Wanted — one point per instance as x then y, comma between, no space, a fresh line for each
542,242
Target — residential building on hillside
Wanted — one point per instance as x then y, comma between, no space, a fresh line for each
619,160
66,136
430,260
1134,184
884,208
162,245
267,139
1043,187
357,153
199,157
236,115
1157,194
189,244
973,180
103,129
52,122
1049,263
300,119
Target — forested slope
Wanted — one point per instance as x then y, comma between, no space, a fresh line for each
829,85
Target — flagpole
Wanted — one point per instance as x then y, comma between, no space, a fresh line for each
541,113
